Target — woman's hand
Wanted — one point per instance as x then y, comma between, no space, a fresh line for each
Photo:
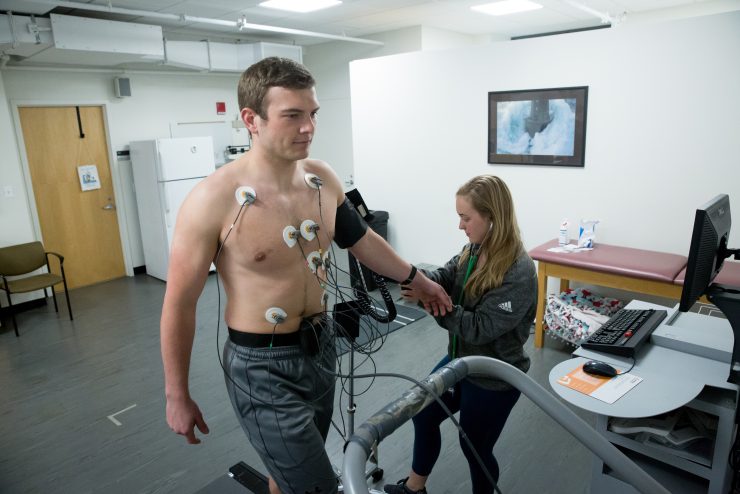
409,294
431,294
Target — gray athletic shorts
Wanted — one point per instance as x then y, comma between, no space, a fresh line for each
284,403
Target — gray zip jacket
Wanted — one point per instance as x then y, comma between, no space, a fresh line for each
497,323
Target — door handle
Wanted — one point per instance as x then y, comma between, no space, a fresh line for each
110,206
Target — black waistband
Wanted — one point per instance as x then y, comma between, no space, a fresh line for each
262,340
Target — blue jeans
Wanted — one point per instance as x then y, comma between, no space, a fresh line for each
483,414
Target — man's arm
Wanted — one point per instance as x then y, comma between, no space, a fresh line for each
375,253
193,248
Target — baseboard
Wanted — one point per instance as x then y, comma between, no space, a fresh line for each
23,306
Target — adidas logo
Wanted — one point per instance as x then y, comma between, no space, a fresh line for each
505,306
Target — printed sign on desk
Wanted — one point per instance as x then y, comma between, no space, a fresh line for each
605,389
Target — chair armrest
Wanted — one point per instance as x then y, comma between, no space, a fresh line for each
61,257
4,286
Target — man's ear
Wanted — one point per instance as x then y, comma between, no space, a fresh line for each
249,118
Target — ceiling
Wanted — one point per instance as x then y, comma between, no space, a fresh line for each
358,18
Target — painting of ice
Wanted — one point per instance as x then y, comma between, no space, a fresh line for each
536,127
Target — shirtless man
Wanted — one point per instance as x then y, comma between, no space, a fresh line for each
281,389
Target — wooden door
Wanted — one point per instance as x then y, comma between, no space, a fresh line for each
80,225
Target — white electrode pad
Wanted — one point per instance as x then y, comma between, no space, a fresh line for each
313,181
275,315
290,235
314,261
309,229
245,194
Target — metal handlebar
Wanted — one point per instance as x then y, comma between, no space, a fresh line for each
396,413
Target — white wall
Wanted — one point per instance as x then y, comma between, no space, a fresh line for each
14,213
17,227
329,64
156,101
662,133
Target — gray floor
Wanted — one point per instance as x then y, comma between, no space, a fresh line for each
61,380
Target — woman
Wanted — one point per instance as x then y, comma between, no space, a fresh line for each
494,285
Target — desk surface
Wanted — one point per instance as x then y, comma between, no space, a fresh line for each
671,377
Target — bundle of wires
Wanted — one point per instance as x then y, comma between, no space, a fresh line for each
375,328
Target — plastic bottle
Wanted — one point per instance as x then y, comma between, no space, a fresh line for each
563,234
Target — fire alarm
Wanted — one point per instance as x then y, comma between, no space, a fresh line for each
220,108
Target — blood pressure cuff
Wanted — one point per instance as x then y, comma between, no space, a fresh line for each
349,227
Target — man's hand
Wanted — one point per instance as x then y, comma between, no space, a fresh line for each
183,416
432,295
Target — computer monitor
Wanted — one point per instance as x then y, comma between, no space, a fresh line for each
707,254
708,248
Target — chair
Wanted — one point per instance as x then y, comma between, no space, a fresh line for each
21,259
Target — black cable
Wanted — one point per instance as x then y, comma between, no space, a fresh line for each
367,309
228,375
631,366
362,297
445,409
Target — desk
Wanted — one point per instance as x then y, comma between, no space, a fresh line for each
672,378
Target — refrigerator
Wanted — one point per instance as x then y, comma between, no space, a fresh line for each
165,171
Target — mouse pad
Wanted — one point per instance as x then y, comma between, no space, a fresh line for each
605,389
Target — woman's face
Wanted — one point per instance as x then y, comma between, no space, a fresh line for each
472,222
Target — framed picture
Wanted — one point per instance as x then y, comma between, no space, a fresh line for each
538,126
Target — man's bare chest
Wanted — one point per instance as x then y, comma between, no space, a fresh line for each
282,232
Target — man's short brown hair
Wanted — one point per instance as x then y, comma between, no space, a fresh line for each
267,73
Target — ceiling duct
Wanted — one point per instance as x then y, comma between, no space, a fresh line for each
23,36
68,40
85,42
240,25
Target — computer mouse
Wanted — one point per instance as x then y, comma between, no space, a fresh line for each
597,368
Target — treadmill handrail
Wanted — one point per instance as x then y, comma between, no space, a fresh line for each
397,412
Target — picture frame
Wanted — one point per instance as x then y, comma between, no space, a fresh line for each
538,126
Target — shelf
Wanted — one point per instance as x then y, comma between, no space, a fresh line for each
661,453
678,470
674,480
717,401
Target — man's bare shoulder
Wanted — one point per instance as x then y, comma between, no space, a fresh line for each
326,173
212,197
224,181
318,167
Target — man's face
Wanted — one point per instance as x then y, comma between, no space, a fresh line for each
288,130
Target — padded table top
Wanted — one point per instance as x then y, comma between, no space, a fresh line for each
624,261
729,275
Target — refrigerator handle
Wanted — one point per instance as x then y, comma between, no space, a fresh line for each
167,219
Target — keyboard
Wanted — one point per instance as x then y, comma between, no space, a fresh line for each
625,332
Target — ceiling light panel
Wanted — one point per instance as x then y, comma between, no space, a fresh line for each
506,7
301,6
